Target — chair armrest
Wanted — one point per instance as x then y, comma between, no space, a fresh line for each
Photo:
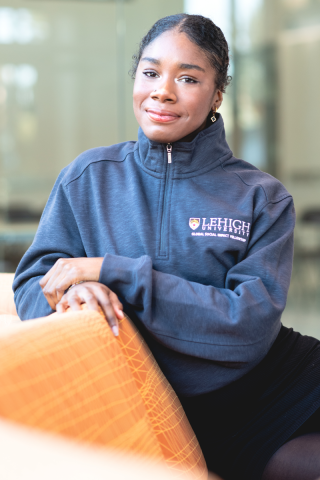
68,374
7,305
45,456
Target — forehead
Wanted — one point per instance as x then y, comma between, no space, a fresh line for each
177,48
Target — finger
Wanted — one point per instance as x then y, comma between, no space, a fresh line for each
49,299
44,280
43,284
62,306
117,305
53,291
49,278
51,302
59,282
93,304
109,312
90,299
74,302
54,270
119,313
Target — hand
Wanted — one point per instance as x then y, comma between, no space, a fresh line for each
96,296
65,272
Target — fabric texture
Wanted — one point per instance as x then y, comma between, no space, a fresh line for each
7,320
199,250
8,313
68,374
29,454
7,306
241,426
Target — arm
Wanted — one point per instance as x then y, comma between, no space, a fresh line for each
49,268
52,241
237,323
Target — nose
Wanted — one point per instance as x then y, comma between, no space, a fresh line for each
165,92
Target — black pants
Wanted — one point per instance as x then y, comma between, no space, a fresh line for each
240,426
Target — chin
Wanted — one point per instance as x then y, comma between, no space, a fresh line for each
162,135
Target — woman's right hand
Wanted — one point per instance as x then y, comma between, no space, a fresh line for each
66,272
97,296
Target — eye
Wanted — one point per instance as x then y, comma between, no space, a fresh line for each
188,80
150,74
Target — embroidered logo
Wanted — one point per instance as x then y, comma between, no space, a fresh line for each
194,223
221,227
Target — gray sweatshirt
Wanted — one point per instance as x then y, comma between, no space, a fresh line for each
197,244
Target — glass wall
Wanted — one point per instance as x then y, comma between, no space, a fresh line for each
64,88
272,114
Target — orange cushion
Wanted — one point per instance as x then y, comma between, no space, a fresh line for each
7,305
6,320
68,374
28,454
178,442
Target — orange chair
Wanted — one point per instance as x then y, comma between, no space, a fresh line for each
69,375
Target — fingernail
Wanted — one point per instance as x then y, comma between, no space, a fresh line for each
115,330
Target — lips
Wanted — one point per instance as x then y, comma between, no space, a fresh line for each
162,116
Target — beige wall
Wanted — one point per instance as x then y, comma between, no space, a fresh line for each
299,114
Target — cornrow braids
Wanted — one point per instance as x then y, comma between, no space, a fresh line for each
202,32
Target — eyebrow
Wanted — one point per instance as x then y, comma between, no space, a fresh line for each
190,66
151,60
183,66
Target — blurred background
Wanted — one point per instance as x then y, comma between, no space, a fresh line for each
65,88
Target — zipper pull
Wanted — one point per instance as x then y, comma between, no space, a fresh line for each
169,152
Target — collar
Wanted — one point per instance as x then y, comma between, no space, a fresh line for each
205,151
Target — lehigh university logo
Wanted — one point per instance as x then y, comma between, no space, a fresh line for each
194,223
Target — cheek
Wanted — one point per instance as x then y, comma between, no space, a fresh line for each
139,96
135,95
198,106
198,101
140,92
137,99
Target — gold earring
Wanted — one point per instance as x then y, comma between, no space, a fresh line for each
213,118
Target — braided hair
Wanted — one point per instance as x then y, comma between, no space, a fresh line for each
202,32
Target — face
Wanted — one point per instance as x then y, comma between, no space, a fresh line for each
174,89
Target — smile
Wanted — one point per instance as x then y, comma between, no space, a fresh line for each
162,116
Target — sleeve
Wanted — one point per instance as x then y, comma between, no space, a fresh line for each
57,237
237,323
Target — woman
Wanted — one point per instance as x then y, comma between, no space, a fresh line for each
198,246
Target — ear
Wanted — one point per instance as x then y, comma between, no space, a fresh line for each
217,100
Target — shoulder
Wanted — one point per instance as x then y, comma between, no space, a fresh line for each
271,189
113,153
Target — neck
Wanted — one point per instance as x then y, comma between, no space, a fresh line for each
206,149
192,135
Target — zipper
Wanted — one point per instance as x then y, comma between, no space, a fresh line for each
169,152
164,204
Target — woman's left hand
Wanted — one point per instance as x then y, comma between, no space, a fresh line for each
97,297
66,272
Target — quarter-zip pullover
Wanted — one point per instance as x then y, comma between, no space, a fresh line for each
196,243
